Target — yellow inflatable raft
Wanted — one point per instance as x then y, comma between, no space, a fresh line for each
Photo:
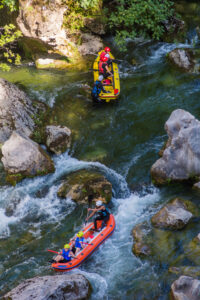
114,85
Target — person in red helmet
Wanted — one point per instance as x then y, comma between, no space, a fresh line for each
103,68
106,51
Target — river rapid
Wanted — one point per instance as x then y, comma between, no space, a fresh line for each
121,141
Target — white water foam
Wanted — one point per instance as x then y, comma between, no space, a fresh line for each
29,206
114,260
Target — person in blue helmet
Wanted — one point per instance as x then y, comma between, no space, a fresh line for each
97,88
103,214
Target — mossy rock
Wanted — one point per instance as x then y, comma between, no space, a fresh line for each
32,47
81,184
185,270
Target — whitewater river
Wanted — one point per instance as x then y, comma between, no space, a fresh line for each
124,139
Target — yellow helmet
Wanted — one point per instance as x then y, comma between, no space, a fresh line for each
80,234
67,246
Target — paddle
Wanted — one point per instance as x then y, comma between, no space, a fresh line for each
114,60
53,251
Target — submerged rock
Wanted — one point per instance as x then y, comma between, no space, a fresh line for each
82,184
58,138
192,250
140,247
185,287
173,216
186,270
24,158
17,111
73,287
180,160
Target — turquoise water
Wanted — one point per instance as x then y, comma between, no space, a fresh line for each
122,142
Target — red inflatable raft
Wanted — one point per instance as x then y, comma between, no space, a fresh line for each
94,240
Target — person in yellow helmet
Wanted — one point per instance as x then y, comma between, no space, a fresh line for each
65,255
79,242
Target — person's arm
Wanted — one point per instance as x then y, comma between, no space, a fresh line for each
71,254
92,214
107,69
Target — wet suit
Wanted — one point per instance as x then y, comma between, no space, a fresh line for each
104,215
98,87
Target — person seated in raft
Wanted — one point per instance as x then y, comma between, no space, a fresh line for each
65,256
97,88
103,68
103,214
106,53
79,242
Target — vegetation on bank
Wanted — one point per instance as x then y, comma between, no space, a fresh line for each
123,19
138,18
8,35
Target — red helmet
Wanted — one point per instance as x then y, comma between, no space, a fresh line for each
104,59
107,49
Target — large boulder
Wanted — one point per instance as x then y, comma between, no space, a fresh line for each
24,158
73,287
185,288
174,215
80,185
41,22
180,159
182,58
58,138
17,111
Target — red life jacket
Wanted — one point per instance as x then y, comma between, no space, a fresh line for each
101,70
102,55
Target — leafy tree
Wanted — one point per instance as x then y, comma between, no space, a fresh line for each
8,36
136,18
77,11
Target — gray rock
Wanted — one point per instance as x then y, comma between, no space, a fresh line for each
182,58
58,138
42,20
73,287
90,44
185,288
173,216
16,111
22,157
181,158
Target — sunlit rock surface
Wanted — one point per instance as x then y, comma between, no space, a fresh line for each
73,287
172,216
24,158
78,186
41,22
58,138
182,58
17,111
185,288
181,158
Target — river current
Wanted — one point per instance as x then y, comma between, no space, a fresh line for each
121,141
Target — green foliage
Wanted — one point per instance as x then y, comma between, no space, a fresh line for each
11,4
9,35
77,11
136,18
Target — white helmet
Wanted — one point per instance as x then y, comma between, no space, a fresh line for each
100,77
107,55
99,203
